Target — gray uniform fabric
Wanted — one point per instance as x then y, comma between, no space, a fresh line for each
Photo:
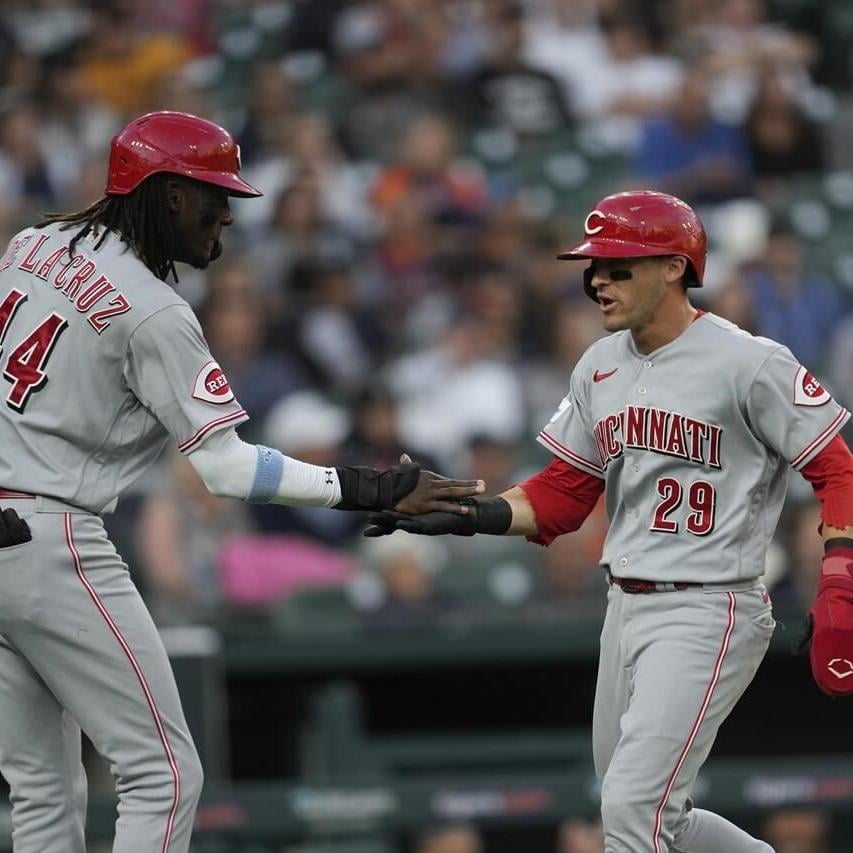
694,442
103,364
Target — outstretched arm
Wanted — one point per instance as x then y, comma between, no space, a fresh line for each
232,468
556,500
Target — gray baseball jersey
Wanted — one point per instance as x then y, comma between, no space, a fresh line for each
102,362
694,442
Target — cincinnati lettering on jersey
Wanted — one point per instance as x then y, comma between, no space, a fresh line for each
658,431
76,277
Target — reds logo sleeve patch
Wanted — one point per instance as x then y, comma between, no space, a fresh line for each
808,391
211,385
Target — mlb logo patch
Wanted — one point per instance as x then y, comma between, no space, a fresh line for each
211,385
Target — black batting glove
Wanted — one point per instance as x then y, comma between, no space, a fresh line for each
484,515
428,524
13,529
364,488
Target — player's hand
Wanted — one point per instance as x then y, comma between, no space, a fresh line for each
13,529
428,524
436,494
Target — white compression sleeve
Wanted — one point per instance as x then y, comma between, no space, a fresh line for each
232,468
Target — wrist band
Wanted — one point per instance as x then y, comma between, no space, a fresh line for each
268,471
494,515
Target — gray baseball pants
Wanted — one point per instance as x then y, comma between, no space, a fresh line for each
672,667
78,650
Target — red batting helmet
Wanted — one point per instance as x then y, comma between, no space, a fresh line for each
643,223
179,143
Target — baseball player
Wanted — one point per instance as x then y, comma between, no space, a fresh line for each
102,364
688,425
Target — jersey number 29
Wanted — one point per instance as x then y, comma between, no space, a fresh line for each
25,366
701,501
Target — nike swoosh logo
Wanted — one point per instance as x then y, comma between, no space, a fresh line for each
598,376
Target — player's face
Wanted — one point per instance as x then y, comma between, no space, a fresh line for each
630,290
200,213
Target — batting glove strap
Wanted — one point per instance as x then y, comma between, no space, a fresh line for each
373,489
492,515
836,569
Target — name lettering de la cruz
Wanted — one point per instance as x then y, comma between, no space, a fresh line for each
69,276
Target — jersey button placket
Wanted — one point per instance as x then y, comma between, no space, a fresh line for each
642,390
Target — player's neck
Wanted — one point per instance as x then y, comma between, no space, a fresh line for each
670,320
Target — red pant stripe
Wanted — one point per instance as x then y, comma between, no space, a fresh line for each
724,647
158,722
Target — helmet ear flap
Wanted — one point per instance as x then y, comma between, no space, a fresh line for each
588,289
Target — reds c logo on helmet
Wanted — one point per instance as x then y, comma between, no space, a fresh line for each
178,143
643,223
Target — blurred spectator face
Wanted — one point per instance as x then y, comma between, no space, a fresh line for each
233,314
377,420
577,836
89,186
793,831
299,210
111,33
19,136
626,41
493,299
428,146
774,120
691,107
272,91
507,30
468,340
334,288
784,255
741,14
493,460
406,579
576,327
452,840
311,139
407,565
733,301
503,237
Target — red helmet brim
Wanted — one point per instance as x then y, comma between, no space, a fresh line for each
611,249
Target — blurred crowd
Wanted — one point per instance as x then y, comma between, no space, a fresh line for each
396,287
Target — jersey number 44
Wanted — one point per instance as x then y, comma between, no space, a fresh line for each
25,365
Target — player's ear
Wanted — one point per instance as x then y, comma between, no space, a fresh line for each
676,267
174,195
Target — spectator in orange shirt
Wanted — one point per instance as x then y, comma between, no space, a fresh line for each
125,68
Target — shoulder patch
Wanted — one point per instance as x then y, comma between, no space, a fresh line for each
211,385
565,403
808,391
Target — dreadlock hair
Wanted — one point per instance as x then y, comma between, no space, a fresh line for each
141,219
